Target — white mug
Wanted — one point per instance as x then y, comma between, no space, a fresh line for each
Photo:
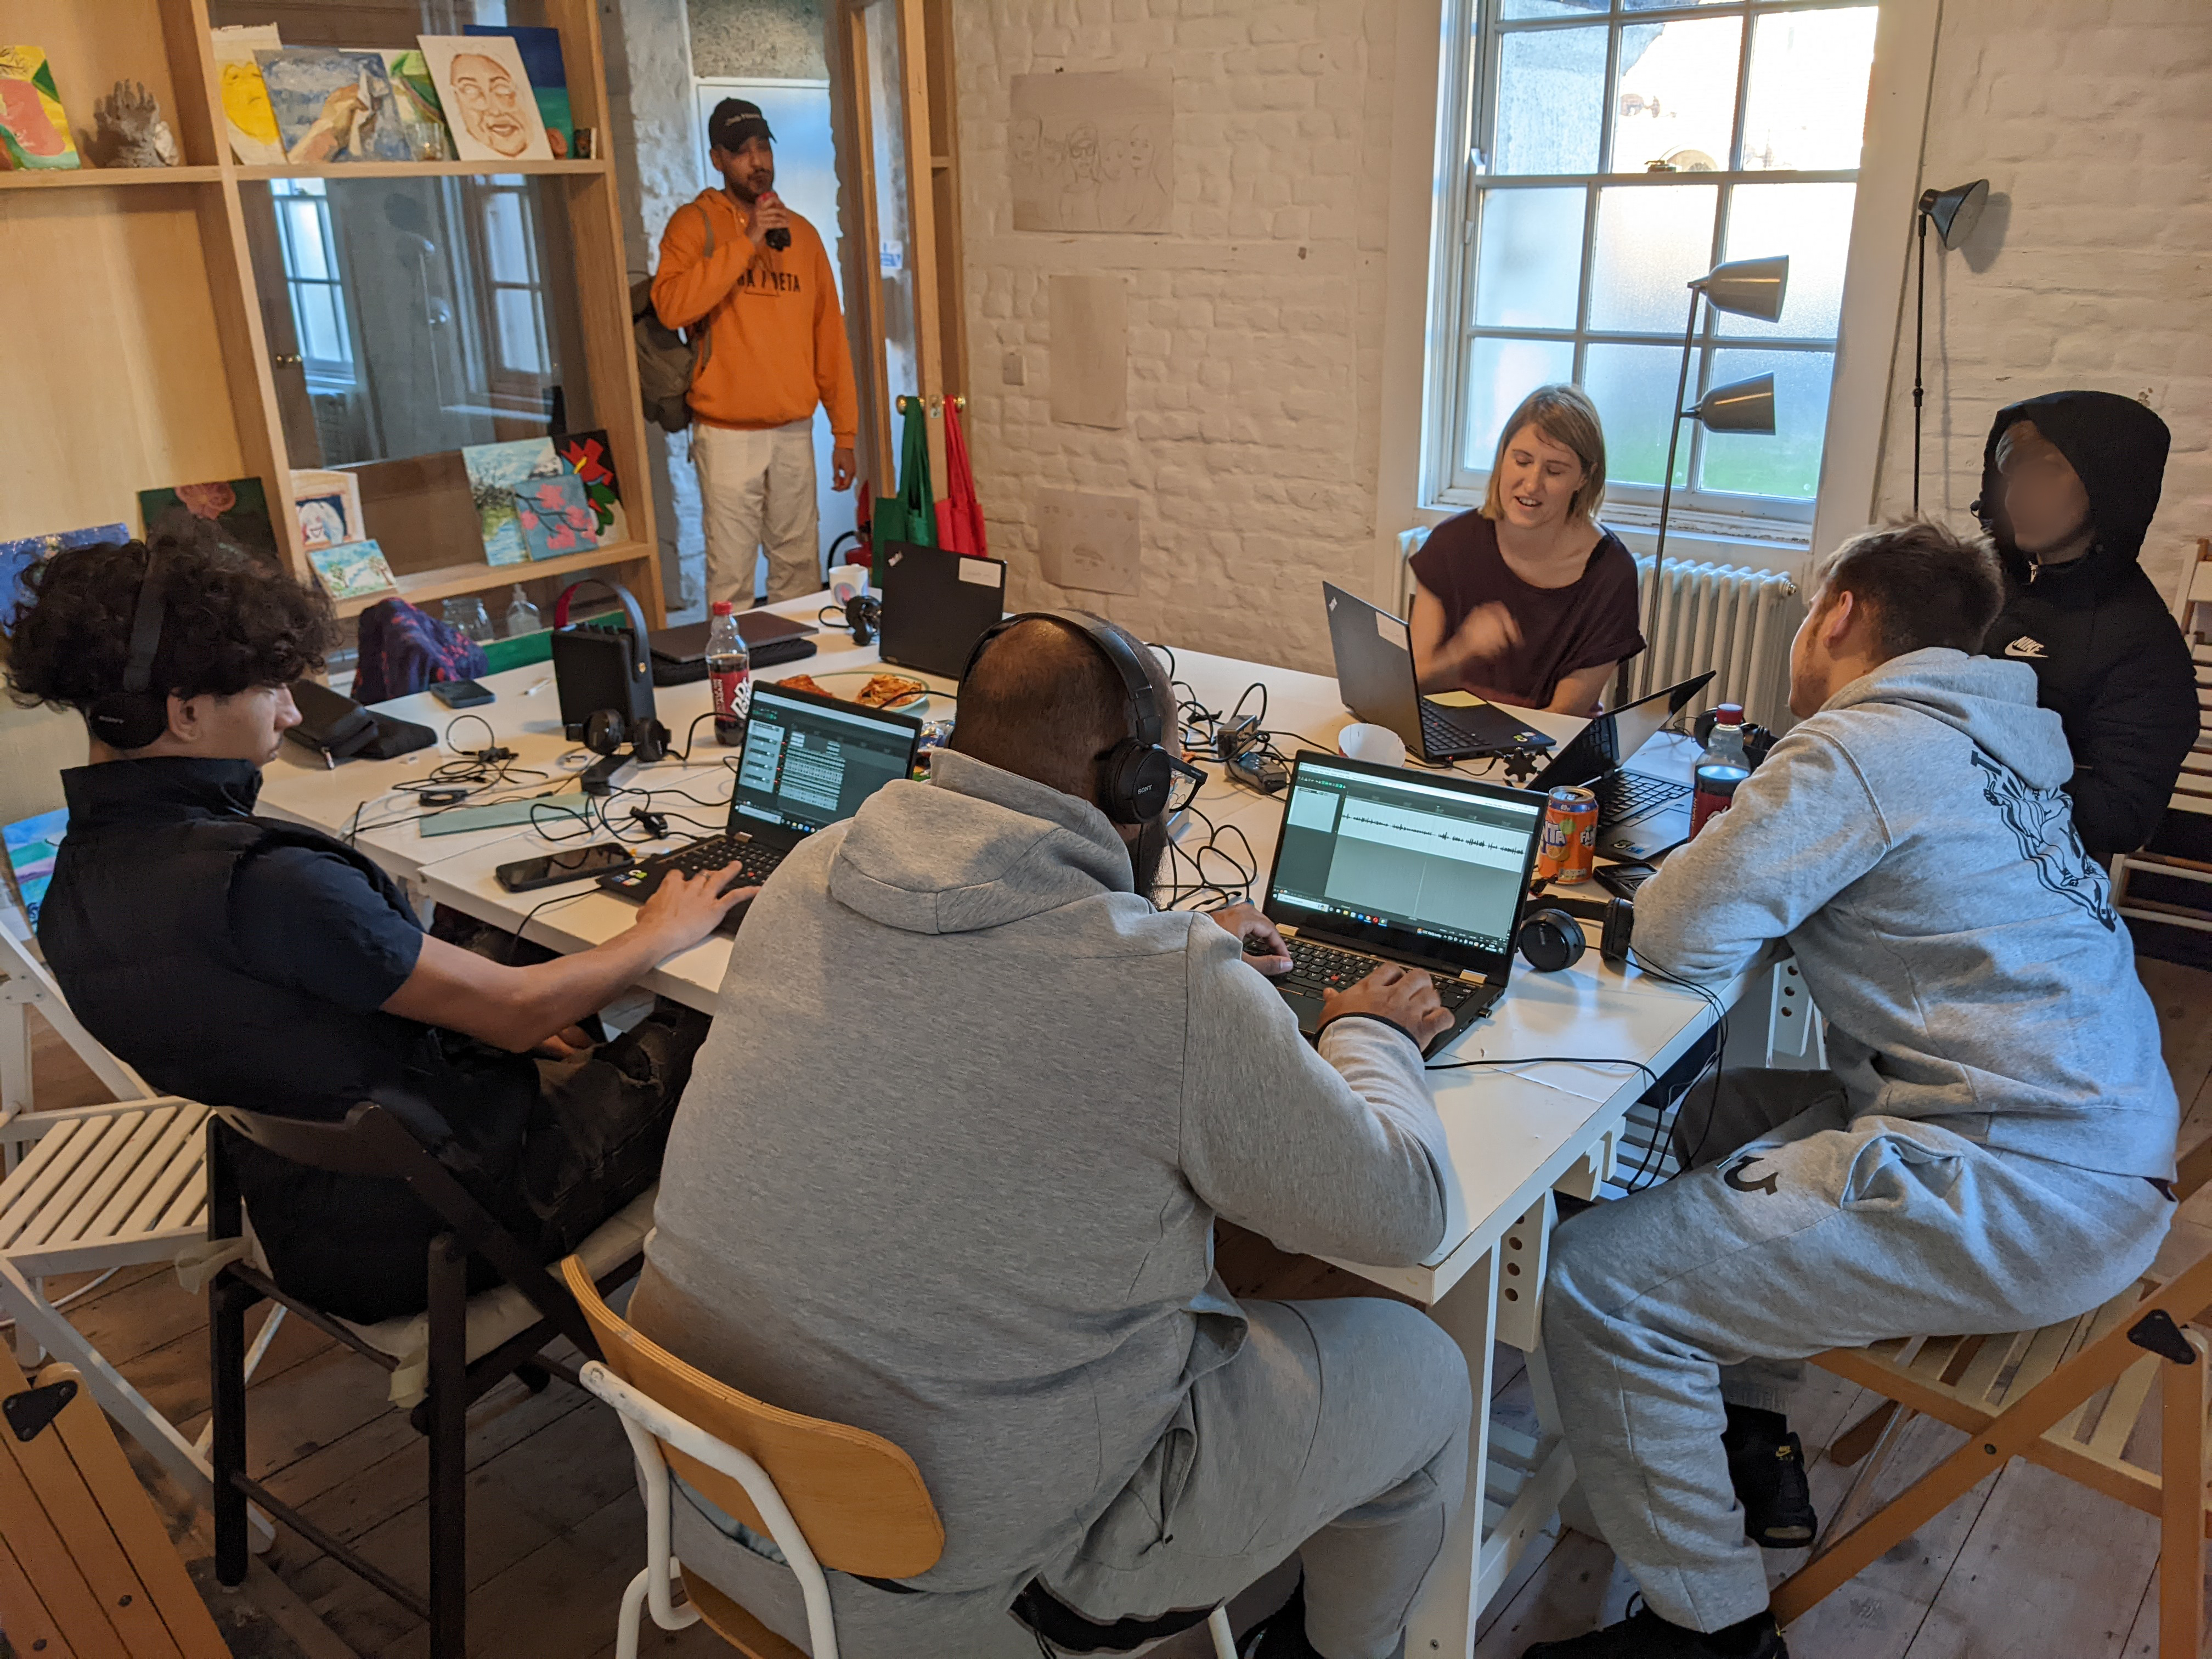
1378,745
854,576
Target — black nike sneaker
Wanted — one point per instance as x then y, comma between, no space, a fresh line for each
1767,1465
1645,1635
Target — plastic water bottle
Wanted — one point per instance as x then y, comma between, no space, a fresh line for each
729,674
466,614
521,616
1720,768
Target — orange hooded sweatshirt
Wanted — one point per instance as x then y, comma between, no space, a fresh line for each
776,338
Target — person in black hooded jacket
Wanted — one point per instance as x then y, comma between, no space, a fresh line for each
2069,481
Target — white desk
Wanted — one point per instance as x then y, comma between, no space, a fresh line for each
1516,1136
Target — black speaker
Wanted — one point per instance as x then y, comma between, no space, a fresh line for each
1551,939
597,668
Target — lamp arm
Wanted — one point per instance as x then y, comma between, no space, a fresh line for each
1667,479
1919,337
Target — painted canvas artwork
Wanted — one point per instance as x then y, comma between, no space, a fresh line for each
237,509
333,105
486,94
329,506
548,77
496,472
557,516
32,844
592,460
18,558
351,570
420,116
33,129
252,125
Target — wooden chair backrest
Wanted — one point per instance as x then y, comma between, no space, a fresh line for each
86,1566
860,1499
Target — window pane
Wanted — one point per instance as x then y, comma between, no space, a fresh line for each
1789,463
1809,89
1529,272
1514,11
518,332
1551,100
1650,242
1811,223
321,338
1633,388
508,249
304,221
1499,374
1668,5
1677,100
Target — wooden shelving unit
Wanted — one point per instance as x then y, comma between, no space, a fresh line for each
138,353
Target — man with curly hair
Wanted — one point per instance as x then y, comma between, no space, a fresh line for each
249,962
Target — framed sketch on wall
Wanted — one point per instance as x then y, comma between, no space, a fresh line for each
1093,152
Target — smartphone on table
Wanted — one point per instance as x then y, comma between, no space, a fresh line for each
463,694
583,864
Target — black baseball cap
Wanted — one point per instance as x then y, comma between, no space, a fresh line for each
735,120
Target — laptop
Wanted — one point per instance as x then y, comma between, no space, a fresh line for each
1640,813
1375,676
1377,863
679,654
936,605
807,760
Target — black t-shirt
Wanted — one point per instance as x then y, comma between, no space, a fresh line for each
308,921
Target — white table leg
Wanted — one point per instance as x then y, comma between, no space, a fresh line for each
1444,1620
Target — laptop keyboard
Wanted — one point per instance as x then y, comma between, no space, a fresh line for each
1440,734
1318,968
754,861
1622,795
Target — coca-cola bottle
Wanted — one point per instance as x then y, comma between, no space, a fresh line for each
729,673
1720,768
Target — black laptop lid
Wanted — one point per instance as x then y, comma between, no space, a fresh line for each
1374,665
936,605
1427,868
1612,738
810,760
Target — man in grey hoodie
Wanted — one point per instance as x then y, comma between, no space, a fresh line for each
1991,1149
948,1169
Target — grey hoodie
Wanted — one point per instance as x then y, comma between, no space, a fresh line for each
948,1164
1913,844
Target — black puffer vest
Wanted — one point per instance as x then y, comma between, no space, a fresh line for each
138,928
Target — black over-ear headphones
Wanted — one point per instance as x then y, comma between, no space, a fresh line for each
1135,779
137,715
1551,939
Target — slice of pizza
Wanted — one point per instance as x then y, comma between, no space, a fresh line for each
805,682
883,690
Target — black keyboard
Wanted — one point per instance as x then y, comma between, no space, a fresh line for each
754,862
1318,968
1622,795
1442,736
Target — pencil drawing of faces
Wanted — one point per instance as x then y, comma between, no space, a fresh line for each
1113,159
493,107
1083,152
1028,132
1140,151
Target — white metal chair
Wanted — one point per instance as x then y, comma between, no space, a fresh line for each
863,1501
2192,790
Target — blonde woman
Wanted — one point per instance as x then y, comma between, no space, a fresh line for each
1529,600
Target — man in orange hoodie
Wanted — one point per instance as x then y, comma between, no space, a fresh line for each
756,274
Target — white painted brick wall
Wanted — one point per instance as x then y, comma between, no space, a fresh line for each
2091,120
1255,325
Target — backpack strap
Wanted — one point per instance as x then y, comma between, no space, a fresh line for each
702,343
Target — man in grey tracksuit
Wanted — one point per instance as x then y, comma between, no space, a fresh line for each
1990,1151
948,1168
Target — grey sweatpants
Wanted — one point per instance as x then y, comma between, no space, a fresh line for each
1816,1232
1339,1431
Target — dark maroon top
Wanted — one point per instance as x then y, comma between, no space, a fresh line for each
1591,620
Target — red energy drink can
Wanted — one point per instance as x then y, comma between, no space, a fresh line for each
1715,793
1567,853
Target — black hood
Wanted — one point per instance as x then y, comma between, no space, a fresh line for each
2117,446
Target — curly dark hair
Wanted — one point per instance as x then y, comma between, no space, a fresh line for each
232,621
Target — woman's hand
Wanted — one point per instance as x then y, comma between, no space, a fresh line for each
1488,634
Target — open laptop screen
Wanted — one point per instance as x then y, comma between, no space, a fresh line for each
1611,739
810,760
1410,866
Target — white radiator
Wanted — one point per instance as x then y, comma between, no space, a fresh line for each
1734,620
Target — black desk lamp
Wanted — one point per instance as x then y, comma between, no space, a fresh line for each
1954,213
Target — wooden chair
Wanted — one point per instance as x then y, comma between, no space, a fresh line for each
829,1495
87,1571
443,1361
2068,1397
2192,790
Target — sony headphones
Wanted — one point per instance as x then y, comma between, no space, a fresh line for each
136,715
604,669
1136,778
1550,940
605,731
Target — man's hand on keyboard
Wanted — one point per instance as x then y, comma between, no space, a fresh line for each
1405,996
687,908
1265,947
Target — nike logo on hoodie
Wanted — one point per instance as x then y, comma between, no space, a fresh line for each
2025,647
